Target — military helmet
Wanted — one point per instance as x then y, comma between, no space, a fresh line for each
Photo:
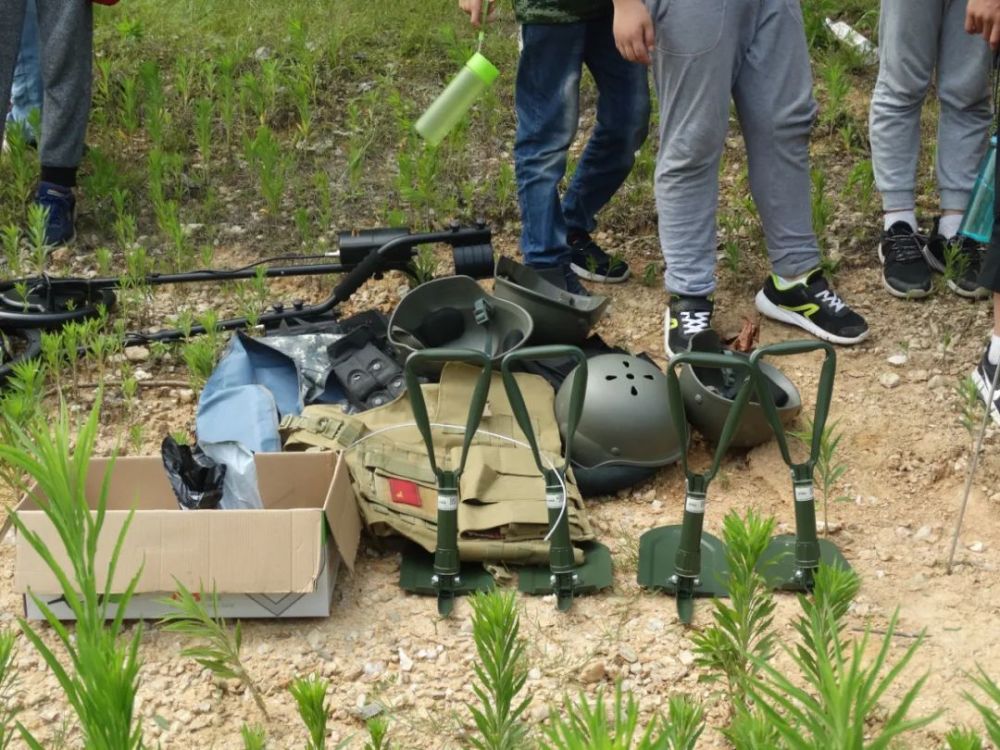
455,312
559,317
709,393
625,419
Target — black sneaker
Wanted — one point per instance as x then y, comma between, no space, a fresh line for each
904,269
562,277
591,262
960,260
983,377
685,317
813,306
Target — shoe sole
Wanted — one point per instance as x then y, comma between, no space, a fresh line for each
773,311
979,293
913,293
666,334
583,273
984,393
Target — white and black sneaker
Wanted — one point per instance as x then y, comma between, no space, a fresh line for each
983,377
592,262
904,269
685,317
813,306
959,260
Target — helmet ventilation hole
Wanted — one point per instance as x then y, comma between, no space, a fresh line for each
648,377
630,376
634,391
611,377
625,363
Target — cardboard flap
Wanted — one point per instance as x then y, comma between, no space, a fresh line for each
342,515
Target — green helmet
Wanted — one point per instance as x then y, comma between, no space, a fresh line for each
709,392
625,419
455,312
559,317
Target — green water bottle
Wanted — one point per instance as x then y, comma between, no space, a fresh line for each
446,111
979,216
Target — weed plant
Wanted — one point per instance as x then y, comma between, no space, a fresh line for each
501,673
216,647
582,725
741,637
310,699
96,664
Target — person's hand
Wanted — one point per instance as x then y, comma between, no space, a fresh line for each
983,17
634,31
475,10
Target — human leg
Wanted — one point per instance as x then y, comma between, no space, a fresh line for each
26,88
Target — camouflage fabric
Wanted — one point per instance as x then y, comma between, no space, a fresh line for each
560,11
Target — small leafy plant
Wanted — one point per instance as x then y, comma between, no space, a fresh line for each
742,635
829,470
217,647
96,665
310,698
500,672
585,726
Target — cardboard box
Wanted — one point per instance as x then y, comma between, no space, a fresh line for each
282,561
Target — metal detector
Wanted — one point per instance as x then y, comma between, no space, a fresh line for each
442,574
791,561
562,577
48,303
685,560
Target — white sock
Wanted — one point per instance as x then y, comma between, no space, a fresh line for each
784,282
949,224
994,355
909,216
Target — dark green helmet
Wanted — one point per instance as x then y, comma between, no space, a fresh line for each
709,392
559,317
455,312
626,418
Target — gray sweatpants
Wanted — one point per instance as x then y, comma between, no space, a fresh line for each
915,38
753,51
65,28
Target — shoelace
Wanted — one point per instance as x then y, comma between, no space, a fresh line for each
907,248
831,300
694,322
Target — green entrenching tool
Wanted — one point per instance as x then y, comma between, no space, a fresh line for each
563,578
790,561
697,558
443,575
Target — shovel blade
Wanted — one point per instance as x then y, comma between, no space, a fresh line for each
416,575
777,563
594,574
658,554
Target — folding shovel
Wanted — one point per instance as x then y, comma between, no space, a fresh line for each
697,558
563,577
790,561
443,575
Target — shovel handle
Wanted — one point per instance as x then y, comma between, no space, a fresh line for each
476,405
577,391
677,413
824,395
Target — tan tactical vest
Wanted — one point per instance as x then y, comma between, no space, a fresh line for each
502,515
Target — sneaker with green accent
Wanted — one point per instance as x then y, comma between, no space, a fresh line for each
813,306
685,317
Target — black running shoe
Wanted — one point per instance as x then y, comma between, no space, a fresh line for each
904,269
983,377
685,317
813,306
590,261
960,260
562,277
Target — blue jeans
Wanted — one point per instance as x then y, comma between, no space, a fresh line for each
26,91
547,99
